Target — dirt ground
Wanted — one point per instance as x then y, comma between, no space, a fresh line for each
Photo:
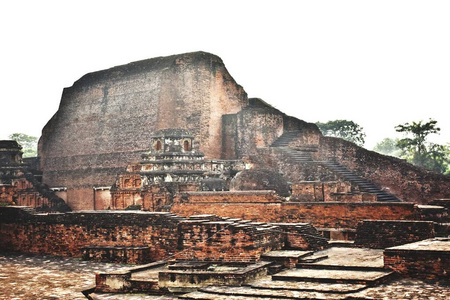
46,277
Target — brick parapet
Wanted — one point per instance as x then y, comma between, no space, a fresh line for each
319,214
427,259
67,234
229,197
389,233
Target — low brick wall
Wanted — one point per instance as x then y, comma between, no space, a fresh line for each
302,236
228,197
139,237
225,241
67,234
433,213
122,255
428,259
383,234
320,214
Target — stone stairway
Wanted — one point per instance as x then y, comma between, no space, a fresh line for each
363,184
285,138
327,274
298,156
334,273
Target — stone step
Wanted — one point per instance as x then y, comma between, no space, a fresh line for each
313,259
288,258
341,243
122,296
199,295
285,138
334,276
238,293
338,288
275,268
313,265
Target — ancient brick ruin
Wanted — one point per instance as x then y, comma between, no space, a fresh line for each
19,186
172,166
167,163
107,118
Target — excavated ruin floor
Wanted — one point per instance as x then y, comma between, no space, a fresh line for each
350,257
47,277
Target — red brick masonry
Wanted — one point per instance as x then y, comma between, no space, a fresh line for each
320,214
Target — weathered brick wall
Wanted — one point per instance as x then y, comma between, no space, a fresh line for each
122,255
320,214
137,237
225,242
429,266
334,191
7,193
228,197
383,234
352,197
433,213
406,181
67,234
106,118
428,259
279,161
302,236
257,126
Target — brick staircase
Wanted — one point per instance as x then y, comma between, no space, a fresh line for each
363,184
298,156
302,155
285,138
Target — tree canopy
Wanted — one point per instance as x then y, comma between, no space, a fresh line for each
347,130
388,146
417,150
28,143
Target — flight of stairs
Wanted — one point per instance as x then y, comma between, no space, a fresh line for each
316,276
363,184
302,155
285,138
298,156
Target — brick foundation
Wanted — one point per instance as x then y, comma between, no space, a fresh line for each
324,215
139,237
383,234
428,259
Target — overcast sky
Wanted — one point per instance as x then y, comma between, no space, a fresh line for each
378,63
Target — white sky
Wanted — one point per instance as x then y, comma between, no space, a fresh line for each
378,63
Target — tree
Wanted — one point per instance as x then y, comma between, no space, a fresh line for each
347,130
416,149
28,143
388,146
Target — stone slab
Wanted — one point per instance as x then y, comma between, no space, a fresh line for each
286,254
308,286
339,276
350,257
437,244
233,292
